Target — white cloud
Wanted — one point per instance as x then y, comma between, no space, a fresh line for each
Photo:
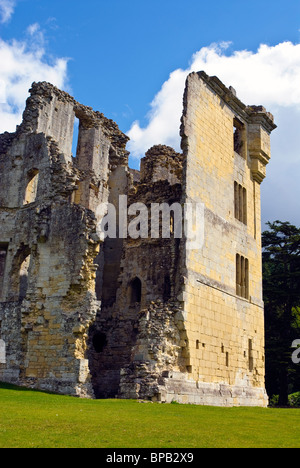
6,10
164,117
269,77
21,64
33,28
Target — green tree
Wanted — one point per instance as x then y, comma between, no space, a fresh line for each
281,280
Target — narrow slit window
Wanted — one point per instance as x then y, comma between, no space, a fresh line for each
238,275
3,255
236,200
243,279
246,278
240,203
250,355
244,206
75,137
227,359
242,276
23,279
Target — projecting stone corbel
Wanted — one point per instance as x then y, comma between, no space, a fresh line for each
261,124
259,161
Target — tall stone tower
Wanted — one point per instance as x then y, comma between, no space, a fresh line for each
226,148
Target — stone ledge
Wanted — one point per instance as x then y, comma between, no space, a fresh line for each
202,393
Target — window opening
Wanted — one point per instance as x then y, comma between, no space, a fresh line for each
238,134
32,185
3,255
75,137
240,203
99,342
242,276
135,291
23,278
227,359
250,355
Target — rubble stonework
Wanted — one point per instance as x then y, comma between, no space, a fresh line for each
133,317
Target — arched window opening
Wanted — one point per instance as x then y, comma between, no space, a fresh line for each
23,278
32,185
135,291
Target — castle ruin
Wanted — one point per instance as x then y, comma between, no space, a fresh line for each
142,317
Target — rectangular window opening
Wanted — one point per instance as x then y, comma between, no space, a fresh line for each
242,276
240,203
238,136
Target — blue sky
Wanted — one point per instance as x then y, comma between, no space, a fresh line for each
129,59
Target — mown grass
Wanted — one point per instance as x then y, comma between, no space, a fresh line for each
30,419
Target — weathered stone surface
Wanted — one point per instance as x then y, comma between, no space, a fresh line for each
133,316
49,242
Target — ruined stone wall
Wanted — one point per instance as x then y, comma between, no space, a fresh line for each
140,337
161,163
130,316
48,231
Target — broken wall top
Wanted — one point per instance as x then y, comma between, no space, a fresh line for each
52,112
248,113
43,145
162,162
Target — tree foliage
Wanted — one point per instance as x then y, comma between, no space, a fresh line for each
281,281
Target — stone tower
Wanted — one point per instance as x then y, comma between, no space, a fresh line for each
145,315
226,147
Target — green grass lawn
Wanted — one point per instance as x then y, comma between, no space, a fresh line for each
30,419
